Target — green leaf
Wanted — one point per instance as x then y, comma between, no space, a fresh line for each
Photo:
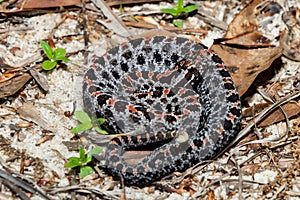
65,59
190,8
88,158
101,120
178,23
121,9
47,49
97,150
85,171
172,11
83,117
59,54
82,154
180,4
82,127
134,18
101,131
73,162
48,65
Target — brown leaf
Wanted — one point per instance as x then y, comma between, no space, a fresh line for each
30,112
10,73
253,110
245,51
245,64
291,109
252,39
13,85
244,22
30,4
44,139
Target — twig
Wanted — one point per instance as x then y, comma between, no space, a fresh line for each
20,183
117,25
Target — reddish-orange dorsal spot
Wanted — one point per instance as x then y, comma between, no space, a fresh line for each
166,91
150,74
160,116
205,141
235,104
166,74
231,92
227,80
94,66
97,93
210,51
221,130
128,78
132,108
139,74
195,99
221,66
186,111
182,91
89,82
111,102
232,118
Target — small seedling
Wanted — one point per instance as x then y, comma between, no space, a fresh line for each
83,160
87,123
54,56
178,10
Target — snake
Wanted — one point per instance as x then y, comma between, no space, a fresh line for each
166,92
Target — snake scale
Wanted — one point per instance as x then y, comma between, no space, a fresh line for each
173,90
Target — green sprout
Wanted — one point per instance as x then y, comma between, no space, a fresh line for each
87,123
54,56
178,10
83,160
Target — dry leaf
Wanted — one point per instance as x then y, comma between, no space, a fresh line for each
30,112
245,51
244,22
13,85
245,64
31,4
291,109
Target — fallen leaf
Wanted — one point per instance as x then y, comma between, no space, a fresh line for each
244,50
245,64
13,85
31,4
291,109
30,112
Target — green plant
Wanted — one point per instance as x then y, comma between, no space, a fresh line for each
54,56
83,160
178,10
87,123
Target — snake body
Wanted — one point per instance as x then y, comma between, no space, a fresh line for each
172,89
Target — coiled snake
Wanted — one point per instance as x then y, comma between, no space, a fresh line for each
173,89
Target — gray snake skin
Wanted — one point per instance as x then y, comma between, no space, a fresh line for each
173,89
